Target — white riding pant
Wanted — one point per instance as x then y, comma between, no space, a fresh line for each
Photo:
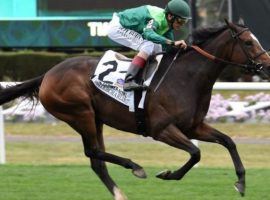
130,38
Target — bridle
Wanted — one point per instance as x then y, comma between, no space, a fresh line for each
251,65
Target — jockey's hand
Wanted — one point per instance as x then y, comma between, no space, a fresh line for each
180,44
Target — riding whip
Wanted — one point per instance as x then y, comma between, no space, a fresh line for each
168,69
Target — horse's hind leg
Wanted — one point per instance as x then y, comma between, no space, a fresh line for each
209,134
174,137
81,117
91,133
85,125
100,168
92,138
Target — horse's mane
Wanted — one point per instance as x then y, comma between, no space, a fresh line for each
200,36
204,34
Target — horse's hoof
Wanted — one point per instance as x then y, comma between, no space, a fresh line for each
240,187
164,174
140,173
118,194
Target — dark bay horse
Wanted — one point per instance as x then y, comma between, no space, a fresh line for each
174,113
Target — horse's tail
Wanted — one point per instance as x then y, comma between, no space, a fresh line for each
27,89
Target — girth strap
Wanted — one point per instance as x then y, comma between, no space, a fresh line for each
139,114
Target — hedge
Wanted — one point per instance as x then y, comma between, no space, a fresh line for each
17,66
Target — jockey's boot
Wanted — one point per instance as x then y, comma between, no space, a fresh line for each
136,65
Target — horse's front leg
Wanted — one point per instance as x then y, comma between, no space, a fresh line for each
206,133
174,137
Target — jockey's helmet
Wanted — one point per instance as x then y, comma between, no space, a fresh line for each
179,8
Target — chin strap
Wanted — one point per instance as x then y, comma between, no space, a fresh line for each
171,22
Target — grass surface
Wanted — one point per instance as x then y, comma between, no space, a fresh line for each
46,162
41,182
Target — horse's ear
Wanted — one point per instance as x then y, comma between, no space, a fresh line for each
241,21
230,25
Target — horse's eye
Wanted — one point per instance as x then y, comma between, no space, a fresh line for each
248,43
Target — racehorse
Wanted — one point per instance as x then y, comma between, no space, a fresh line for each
174,112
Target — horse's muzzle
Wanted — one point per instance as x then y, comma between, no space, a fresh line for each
265,72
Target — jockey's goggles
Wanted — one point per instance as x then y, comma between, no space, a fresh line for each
181,21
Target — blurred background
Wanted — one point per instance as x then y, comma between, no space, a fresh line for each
37,34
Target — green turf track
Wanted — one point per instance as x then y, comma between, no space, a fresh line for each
77,182
35,169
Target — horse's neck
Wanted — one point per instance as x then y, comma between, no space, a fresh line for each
205,67
197,68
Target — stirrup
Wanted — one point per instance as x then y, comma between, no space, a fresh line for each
133,86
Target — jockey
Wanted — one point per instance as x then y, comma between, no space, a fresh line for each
147,29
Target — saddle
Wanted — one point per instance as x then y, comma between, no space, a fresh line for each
109,78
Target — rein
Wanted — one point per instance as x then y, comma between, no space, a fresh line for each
216,59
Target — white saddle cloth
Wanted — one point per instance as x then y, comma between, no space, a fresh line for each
110,75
